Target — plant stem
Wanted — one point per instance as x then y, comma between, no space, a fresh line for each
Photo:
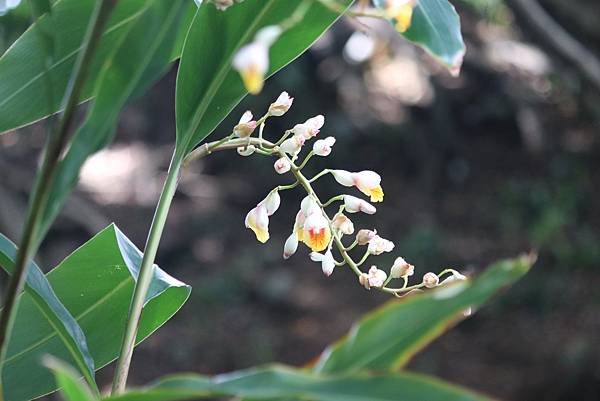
146,269
38,201
144,278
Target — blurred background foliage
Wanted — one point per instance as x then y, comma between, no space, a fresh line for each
500,160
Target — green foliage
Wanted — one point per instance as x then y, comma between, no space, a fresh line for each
52,309
207,86
94,284
436,28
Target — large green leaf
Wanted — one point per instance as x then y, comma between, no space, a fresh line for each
436,28
140,59
95,283
42,294
207,86
387,338
24,81
277,382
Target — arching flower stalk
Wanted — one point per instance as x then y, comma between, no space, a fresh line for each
324,233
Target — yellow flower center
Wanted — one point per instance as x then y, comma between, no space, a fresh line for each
317,239
253,80
403,16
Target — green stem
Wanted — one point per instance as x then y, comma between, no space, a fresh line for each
145,275
39,198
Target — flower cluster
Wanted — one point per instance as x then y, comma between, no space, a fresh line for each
324,232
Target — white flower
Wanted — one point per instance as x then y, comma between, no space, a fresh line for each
430,280
379,245
456,276
281,105
316,233
293,145
322,147
354,205
308,205
364,236
376,277
401,269
368,182
282,165
310,128
291,245
257,219
252,60
245,126
342,223
327,261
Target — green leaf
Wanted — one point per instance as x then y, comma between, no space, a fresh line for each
24,82
435,27
387,338
207,86
95,283
58,317
67,379
278,382
40,7
139,60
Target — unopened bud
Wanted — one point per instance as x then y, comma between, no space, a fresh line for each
291,245
430,280
343,224
363,279
364,236
281,105
282,165
401,268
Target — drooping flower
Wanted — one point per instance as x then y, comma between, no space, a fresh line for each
291,245
343,224
281,105
257,219
310,128
282,165
322,147
430,280
401,269
354,205
252,60
378,245
368,182
326,259
401,12
246,126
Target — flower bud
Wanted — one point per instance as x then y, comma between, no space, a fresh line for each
363,279
281,105
364,236
379,245
282,165
343,224
376,277
401,269
291,245
272,202
354,205
222,5
310,128
292,145
430,280
258,221
246,126
322,147
246,150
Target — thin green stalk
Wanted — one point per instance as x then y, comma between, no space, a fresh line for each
145,275
38,201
